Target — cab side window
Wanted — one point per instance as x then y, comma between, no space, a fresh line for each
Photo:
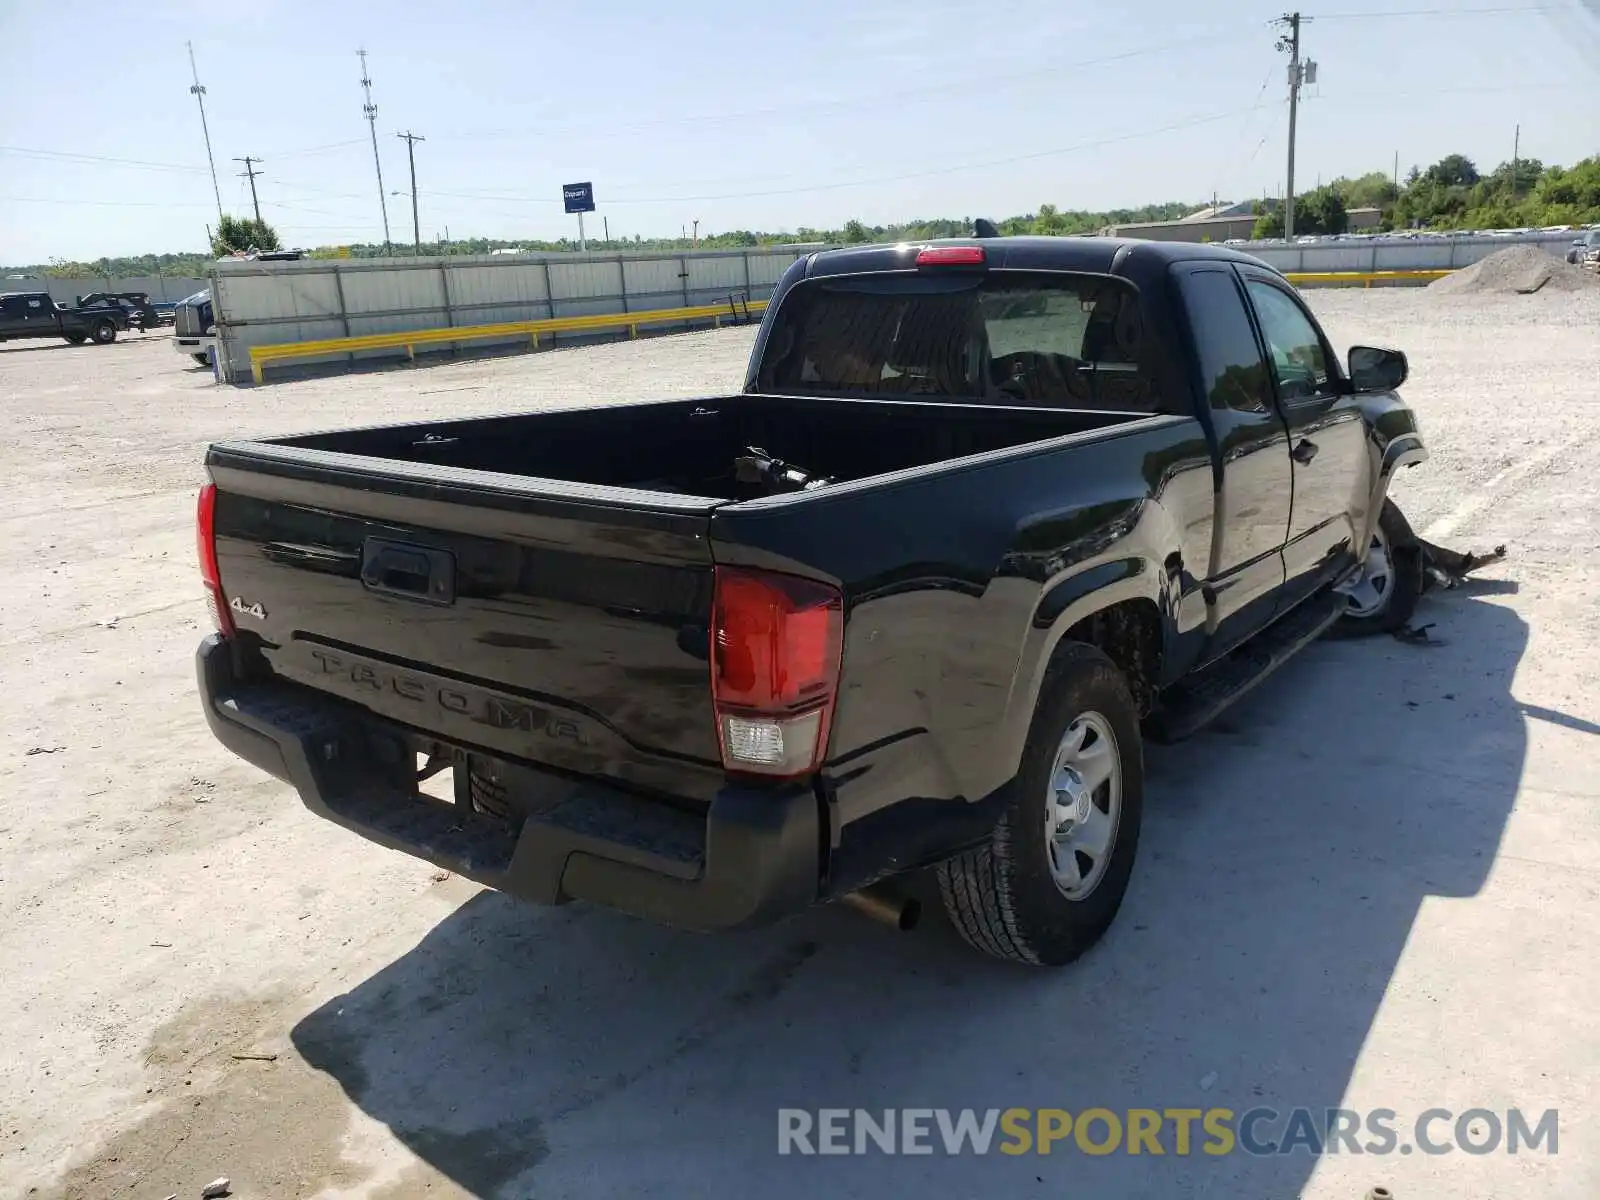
1231,369
1299,362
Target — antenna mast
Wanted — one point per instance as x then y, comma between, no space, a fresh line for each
199,93
371,110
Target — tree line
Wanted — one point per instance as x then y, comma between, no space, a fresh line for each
1450,194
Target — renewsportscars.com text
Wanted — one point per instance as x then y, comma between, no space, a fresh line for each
1176,1131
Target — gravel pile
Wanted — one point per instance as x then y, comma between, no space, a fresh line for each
1517,270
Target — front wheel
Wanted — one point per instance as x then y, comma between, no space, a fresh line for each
1385,596
1050,879
75,339
203,359
103,333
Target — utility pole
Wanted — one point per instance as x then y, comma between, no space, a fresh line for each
251,173
411,140
1516,149
199,93
371,111
1299,73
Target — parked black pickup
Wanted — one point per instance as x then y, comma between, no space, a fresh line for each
986,516
36,315
140,310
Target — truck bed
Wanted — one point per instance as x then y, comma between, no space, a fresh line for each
688,447
539,586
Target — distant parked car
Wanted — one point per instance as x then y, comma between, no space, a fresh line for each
1586,250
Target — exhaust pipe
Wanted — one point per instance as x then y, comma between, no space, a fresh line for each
897,912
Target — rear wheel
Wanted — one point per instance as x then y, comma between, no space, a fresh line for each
1051,878
103,333
1386,595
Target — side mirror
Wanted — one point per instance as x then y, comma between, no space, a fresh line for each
1374,369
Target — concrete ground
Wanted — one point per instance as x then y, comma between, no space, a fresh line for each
1373,886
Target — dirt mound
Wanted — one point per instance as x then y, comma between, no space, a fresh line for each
1517,270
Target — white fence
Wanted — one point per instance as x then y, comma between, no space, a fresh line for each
159,287
269,303
1397,253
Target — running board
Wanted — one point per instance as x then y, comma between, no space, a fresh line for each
1188,706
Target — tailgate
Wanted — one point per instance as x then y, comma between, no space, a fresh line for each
559,623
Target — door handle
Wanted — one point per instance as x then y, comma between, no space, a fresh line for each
1304,452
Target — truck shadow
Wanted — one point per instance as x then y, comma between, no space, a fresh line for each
1284,861
38,347
43,345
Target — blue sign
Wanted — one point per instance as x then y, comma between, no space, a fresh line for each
578,197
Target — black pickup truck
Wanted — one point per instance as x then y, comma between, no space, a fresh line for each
141,311
987,515
36,315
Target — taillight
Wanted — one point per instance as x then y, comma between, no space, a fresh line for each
951,256
205,540
775,645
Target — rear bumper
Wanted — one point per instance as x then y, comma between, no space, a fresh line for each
754,856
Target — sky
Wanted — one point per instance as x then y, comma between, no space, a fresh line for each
742,115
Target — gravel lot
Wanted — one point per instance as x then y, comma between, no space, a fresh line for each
1373,886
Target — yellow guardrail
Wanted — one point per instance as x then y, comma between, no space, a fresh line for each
1365,278
410,339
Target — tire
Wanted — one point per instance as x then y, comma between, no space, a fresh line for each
1394,548
1005,897
75,339
103,333
203,359
488,795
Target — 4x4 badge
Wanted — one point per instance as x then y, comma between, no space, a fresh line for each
248,610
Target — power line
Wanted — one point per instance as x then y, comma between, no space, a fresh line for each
322,149
1434,12
70,157
371,111
295,206
1244,132
999,82
312,191
102,203
947,169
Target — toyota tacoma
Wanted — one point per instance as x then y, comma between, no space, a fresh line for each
987,516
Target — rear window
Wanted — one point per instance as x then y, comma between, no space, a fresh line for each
1052,340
